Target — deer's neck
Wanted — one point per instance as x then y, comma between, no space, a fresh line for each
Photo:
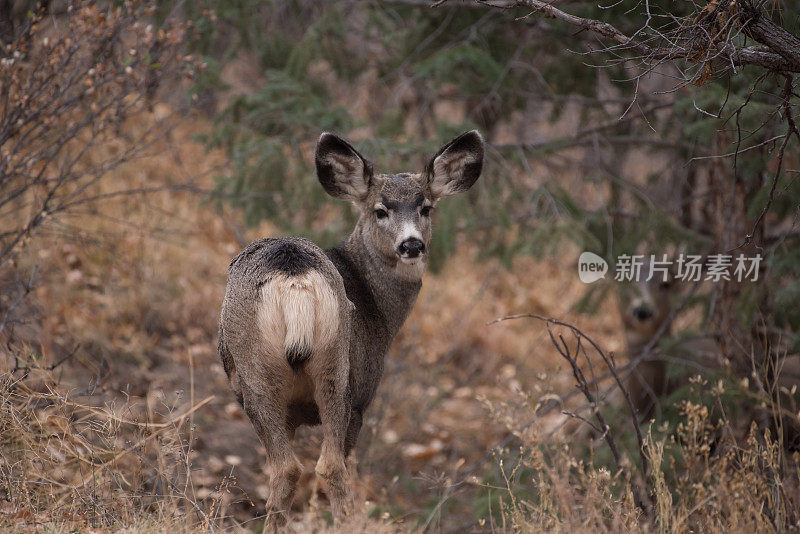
637,340
385,295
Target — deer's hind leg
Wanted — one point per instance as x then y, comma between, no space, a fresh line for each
329,371
265,402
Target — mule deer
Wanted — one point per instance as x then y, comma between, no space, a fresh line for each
304,331
646,314
772,376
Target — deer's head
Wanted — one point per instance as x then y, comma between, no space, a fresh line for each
395,209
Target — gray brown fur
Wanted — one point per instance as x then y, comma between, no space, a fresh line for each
286,296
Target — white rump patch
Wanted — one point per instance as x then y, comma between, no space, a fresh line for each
297,311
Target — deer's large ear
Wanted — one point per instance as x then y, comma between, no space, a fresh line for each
342,171
456,166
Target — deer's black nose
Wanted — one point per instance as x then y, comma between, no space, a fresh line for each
411,248
642,313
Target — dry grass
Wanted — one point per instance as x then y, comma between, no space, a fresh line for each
711,471
68,465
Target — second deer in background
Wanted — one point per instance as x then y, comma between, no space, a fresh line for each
646,313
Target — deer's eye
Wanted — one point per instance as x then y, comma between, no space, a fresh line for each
381,214
426,211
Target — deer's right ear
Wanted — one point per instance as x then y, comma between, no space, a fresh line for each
342,171
457,165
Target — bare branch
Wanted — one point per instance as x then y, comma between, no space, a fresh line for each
792,130
70,93
690,42
586,388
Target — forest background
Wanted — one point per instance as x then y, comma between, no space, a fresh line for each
142,145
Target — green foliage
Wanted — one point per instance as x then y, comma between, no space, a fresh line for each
461,61
263,132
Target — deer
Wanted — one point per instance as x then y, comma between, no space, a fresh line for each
304,332
646,312
648,308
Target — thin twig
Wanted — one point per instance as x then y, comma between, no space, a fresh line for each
583,385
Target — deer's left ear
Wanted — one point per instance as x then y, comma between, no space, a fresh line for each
342,171
456,166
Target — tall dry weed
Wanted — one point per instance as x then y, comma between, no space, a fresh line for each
68,464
